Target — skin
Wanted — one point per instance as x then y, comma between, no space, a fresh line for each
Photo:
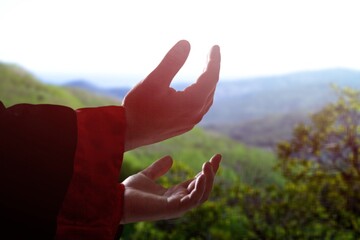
145,200
155,111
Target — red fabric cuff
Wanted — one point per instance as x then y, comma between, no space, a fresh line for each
93,205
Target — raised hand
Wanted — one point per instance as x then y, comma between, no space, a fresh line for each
155,111
145,200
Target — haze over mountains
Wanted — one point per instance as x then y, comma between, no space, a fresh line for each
116,92
261,111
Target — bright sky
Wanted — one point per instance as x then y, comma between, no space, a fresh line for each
119,37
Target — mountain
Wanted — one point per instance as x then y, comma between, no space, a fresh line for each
117,93
263,111
304,92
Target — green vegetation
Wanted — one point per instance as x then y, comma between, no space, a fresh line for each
19,86
322,166
250,165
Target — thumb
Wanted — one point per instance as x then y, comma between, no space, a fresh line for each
158,168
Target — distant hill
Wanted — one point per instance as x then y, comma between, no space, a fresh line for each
117,93
19,86
262,111
249,99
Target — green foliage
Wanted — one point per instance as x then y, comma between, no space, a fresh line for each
321,196
19,86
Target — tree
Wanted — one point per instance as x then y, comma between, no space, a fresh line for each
321,197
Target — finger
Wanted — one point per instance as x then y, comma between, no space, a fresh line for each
215,162
158,168
170,65
192,183
194,197
210,168
207,81
191,186
187,183
209,180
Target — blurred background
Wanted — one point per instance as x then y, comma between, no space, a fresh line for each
289,77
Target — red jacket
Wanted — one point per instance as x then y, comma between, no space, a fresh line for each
59,171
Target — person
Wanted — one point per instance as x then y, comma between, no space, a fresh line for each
59,166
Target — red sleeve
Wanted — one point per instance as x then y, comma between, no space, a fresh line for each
37,147
93,205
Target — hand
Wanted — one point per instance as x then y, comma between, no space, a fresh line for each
155,111
145,200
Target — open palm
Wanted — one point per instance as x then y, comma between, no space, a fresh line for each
146,200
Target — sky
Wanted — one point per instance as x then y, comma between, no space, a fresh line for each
118,42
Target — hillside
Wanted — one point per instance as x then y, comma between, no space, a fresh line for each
262,111
241,100
251,165
265,132
117,93
19,86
